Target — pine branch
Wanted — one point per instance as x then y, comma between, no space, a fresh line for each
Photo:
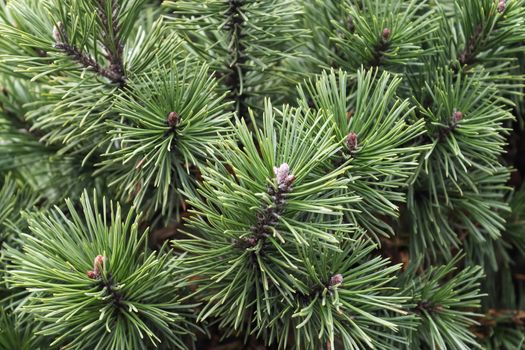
20,331
468,55
179,111
129,288
222,31
501,328
354,34
444,302
268,217
234,78
228,215
114,72
291,267
13,200
380,48
111,30
442,133
106,283
15,120
381,156
494,317
493,33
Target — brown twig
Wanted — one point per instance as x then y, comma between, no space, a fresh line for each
234,76
111,29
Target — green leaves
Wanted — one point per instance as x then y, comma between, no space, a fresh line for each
18,332
460,189
58,33
488,34
246,42
155,155
274,223
477,138
131,303
341,301
374,33
239,183
385,155
470,212
269,21
275,211
445,306
13,200
86,52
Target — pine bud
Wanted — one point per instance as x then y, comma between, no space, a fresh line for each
351,142
336,280
456,117
283,177
502,5
386,33
173,119
98,264
58,31
98,267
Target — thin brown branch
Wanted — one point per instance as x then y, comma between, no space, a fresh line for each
88,62
111,31
498,317
112,43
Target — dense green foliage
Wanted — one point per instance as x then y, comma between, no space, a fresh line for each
310,174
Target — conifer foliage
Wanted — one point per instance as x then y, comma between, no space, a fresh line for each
99,285
247,174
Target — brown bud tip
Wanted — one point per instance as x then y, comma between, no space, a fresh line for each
173,119
98,264
92,274
349,115
502,5
457,116
336,280
386,33
351,142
